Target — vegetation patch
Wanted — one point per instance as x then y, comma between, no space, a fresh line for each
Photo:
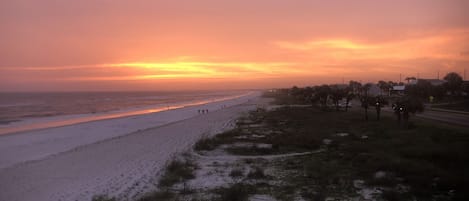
256,173
206,144
236,173
252,150
159,196
427,158
102,198
177,171
209,144
236,192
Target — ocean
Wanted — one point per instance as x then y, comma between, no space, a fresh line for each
19,110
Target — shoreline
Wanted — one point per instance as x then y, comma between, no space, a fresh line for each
36,144
32,124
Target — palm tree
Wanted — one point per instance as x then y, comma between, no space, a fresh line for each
384,86
364,99
408,79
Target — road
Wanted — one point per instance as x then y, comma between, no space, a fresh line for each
447,117
460,119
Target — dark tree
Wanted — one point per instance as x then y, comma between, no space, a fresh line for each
391,83
355,87
422,89
322,94
384,86
407,105
465,87
308,93
379,102
348,98
336,95
408,79
295,92
364,99
454,82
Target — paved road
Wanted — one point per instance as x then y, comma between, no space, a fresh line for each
443,116
447,117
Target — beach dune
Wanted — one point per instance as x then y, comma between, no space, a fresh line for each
119,157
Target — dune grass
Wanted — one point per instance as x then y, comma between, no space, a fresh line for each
235,192
102,198
177,171
431,158
159,196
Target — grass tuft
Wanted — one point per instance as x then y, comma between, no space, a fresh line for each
205,144
256,173
102,198
236,173
177,171
236,192
159,196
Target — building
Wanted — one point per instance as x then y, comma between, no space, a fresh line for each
398,90
433,82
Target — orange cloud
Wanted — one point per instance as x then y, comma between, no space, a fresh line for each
446,45
155,70
328,43
160,70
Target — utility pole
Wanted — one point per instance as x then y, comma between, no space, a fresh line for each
400,77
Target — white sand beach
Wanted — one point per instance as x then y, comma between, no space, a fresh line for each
119,157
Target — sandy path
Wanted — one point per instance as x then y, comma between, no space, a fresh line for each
123,166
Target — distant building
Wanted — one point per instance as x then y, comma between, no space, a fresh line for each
398,90
434,82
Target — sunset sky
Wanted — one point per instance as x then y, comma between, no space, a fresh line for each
96,45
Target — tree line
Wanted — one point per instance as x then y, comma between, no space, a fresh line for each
339,96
